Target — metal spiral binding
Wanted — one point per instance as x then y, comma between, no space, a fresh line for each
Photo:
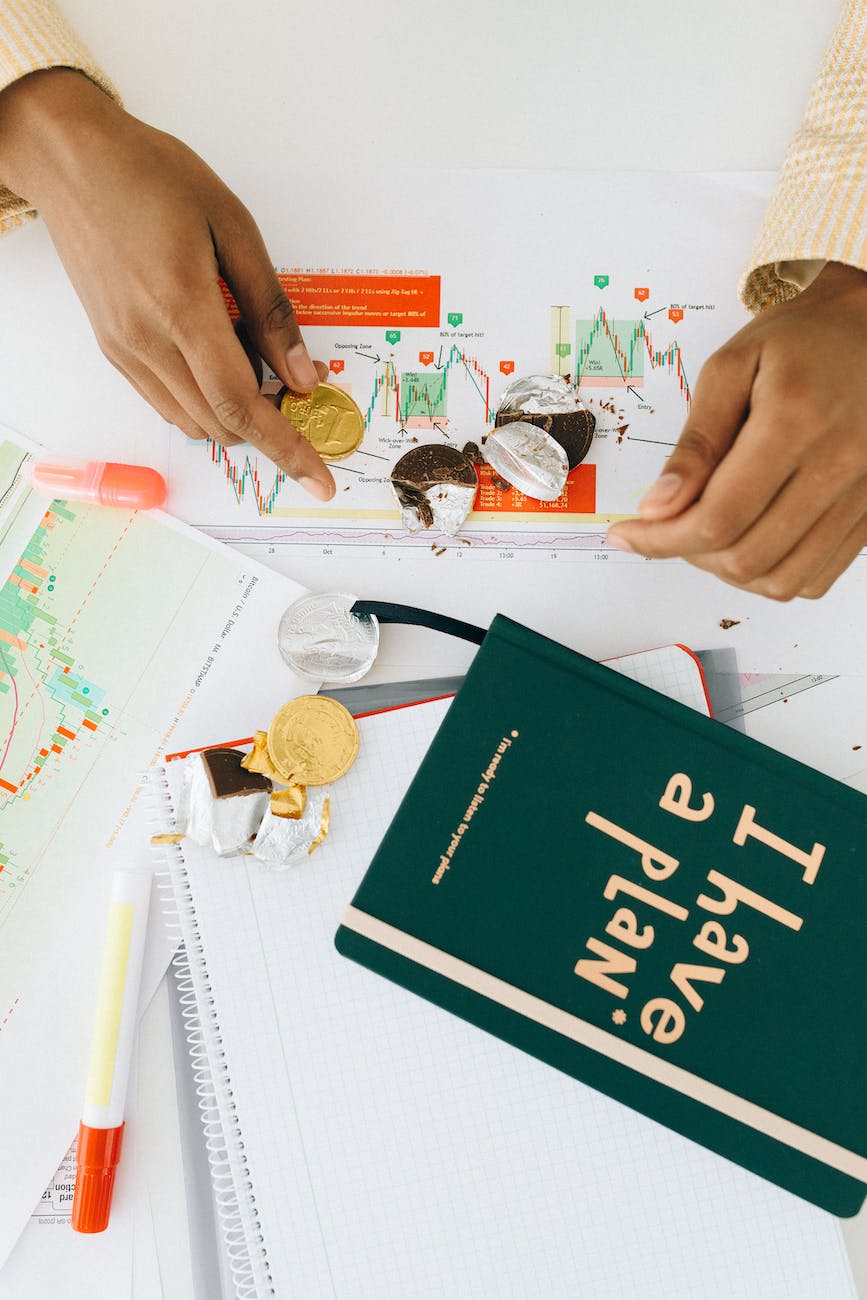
230,1175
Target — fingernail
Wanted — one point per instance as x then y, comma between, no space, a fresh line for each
663,492
619,543
316,488
302,372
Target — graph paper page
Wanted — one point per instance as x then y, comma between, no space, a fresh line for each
396,1151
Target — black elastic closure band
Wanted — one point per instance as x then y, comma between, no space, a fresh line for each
387,612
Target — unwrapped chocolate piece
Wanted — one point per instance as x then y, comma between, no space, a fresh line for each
435,486
221,804
551,404
227,775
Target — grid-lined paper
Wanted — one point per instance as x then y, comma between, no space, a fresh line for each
397,1153
672,669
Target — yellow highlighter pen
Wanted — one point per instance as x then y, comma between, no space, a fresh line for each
100,1134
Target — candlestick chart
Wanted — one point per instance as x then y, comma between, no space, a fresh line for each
629,367
50,709
611,354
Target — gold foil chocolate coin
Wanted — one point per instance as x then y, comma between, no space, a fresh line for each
312,740
328,418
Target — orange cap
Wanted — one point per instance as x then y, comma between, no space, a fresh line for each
97,1155
134,487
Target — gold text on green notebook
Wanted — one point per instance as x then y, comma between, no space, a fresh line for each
478,798
634,927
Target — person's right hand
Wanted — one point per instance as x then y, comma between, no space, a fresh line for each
767,487
144,229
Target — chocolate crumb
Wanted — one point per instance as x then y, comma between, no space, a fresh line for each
856,746
500,483
472,452
726,623
439,550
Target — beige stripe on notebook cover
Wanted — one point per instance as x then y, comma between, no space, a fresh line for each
599,1040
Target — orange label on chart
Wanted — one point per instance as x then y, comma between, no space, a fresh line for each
577,498
373,300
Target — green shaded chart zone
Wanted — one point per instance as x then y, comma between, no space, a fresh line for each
609,353
422,398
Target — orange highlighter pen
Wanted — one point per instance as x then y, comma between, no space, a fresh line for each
104,482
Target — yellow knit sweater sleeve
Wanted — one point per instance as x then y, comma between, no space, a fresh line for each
818,211
33,35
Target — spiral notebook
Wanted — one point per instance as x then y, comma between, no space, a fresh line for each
365,1144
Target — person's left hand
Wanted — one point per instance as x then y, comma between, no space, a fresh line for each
767,487
145,229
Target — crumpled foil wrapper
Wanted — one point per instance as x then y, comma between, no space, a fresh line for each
287,842
528,458
540,395
449,505
321,640
225,825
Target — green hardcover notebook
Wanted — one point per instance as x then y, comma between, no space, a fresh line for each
642,898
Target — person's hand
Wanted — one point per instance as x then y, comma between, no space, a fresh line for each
144,229
767,487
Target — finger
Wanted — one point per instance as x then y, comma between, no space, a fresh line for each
719,407
816,505
846,553
263,304
227,384
763,497
799,568
171,372
743,486
250,349
155,393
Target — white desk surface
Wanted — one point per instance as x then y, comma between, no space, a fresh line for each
689,85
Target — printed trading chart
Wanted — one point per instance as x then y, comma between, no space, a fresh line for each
625,310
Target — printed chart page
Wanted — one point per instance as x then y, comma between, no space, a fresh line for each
461,282
459,286
118,630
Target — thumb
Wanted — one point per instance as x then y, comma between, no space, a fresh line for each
265,309
719,407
